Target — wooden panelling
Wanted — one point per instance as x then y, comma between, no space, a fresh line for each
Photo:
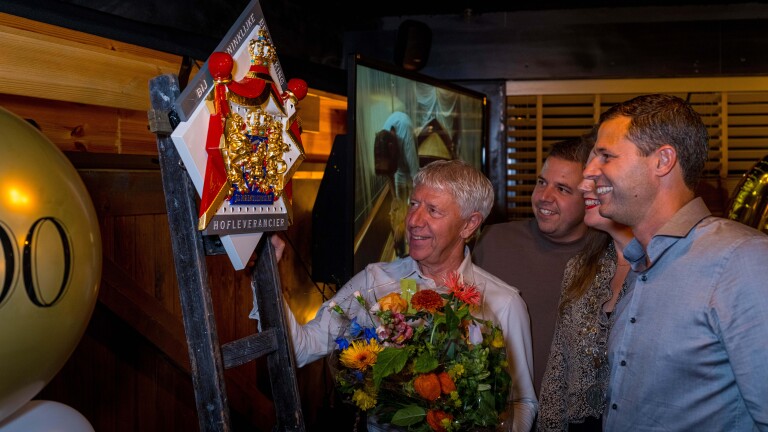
86,128
91,94
120,383
53,63
331,121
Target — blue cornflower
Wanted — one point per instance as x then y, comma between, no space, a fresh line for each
355,328
342,342
370,333
359,376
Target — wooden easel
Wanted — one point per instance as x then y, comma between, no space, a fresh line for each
208,358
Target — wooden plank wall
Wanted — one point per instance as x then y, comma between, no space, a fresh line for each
130,372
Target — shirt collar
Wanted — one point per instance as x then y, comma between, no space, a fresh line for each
677,227
466,268
685,219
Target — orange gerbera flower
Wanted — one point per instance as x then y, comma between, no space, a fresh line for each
393,302
467,293
446,383
427,300
438,420
427,386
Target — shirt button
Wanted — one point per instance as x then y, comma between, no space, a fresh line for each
614,406
643,278
632,320
623,362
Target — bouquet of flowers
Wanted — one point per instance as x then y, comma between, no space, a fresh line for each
424,363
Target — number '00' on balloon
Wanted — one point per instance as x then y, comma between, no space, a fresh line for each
50,261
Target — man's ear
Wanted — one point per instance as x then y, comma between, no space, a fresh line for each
666,159
472,224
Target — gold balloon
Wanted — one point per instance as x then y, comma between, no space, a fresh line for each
50,261
749,202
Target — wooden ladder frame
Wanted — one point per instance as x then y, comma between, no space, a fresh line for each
209,358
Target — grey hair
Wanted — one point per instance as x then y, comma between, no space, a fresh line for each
470,187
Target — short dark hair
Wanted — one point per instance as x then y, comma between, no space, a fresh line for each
659,119
573,149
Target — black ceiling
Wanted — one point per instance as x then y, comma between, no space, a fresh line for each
395,8
194,27
308,33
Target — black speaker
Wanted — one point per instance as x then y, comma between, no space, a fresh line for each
414,39
333,238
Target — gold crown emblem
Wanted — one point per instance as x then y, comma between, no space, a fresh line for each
257,164
261,49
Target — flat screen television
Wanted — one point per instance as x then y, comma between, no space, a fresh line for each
397,121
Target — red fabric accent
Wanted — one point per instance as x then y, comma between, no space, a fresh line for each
215,174
258,88
288,191
220,101
294,130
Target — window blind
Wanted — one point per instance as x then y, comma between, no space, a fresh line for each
539,113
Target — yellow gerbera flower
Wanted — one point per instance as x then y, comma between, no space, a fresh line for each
361,354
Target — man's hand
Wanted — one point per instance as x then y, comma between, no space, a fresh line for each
278,244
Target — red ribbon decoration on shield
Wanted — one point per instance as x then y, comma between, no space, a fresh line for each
216,184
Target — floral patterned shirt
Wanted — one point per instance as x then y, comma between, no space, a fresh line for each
576,377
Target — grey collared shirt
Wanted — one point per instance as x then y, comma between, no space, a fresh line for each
689,347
